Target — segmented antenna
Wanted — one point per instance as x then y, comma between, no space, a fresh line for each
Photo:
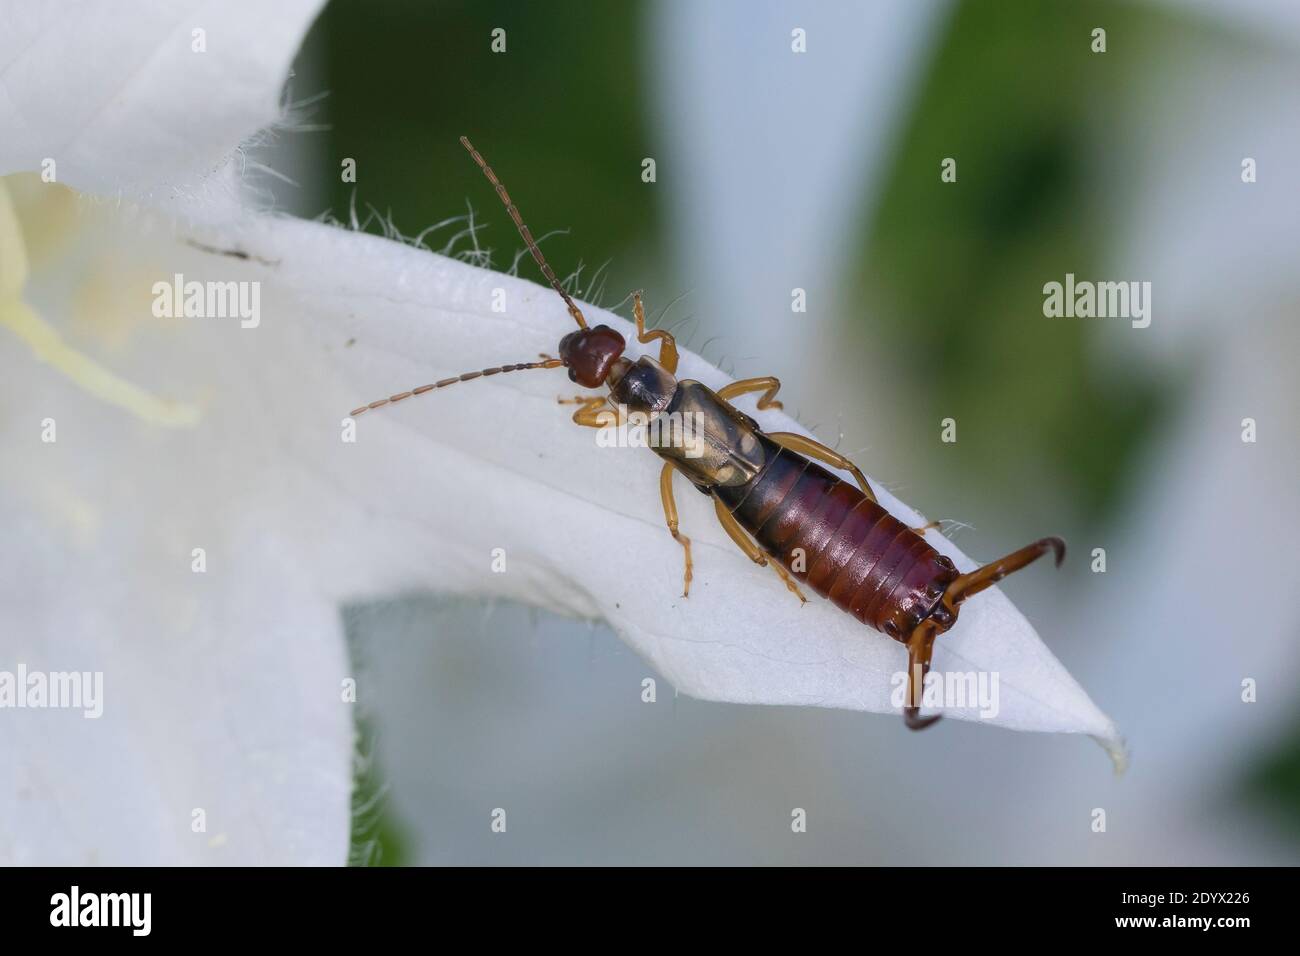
513,210
467,377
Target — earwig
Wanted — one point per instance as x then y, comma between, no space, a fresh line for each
771,496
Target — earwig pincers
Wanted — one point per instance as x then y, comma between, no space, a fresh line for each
771,496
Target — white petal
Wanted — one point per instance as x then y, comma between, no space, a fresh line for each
118,97
221,691
224,699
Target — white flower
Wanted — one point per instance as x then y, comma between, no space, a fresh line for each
223,690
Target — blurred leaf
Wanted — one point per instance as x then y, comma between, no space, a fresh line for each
379,838
537,112
1275,785
1013,95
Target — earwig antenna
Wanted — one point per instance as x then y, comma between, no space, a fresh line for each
467,377
513,210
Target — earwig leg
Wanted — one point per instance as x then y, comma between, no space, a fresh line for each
815,449
744,386
667,345
784,575
919,647
670,516
926,527
976,581
752,550
595,413
575,400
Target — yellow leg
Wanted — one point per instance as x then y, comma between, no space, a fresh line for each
744,386
670,516
815,449
752,550
594,413
667,345
926,527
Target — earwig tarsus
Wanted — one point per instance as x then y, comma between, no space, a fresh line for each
770,494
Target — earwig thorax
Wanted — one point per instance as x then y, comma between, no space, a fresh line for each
643,386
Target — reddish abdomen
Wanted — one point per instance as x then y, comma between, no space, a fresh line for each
854,552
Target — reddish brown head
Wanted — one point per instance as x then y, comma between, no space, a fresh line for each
589,354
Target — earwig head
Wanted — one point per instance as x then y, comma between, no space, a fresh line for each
589,354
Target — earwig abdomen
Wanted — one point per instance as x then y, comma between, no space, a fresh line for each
845,546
